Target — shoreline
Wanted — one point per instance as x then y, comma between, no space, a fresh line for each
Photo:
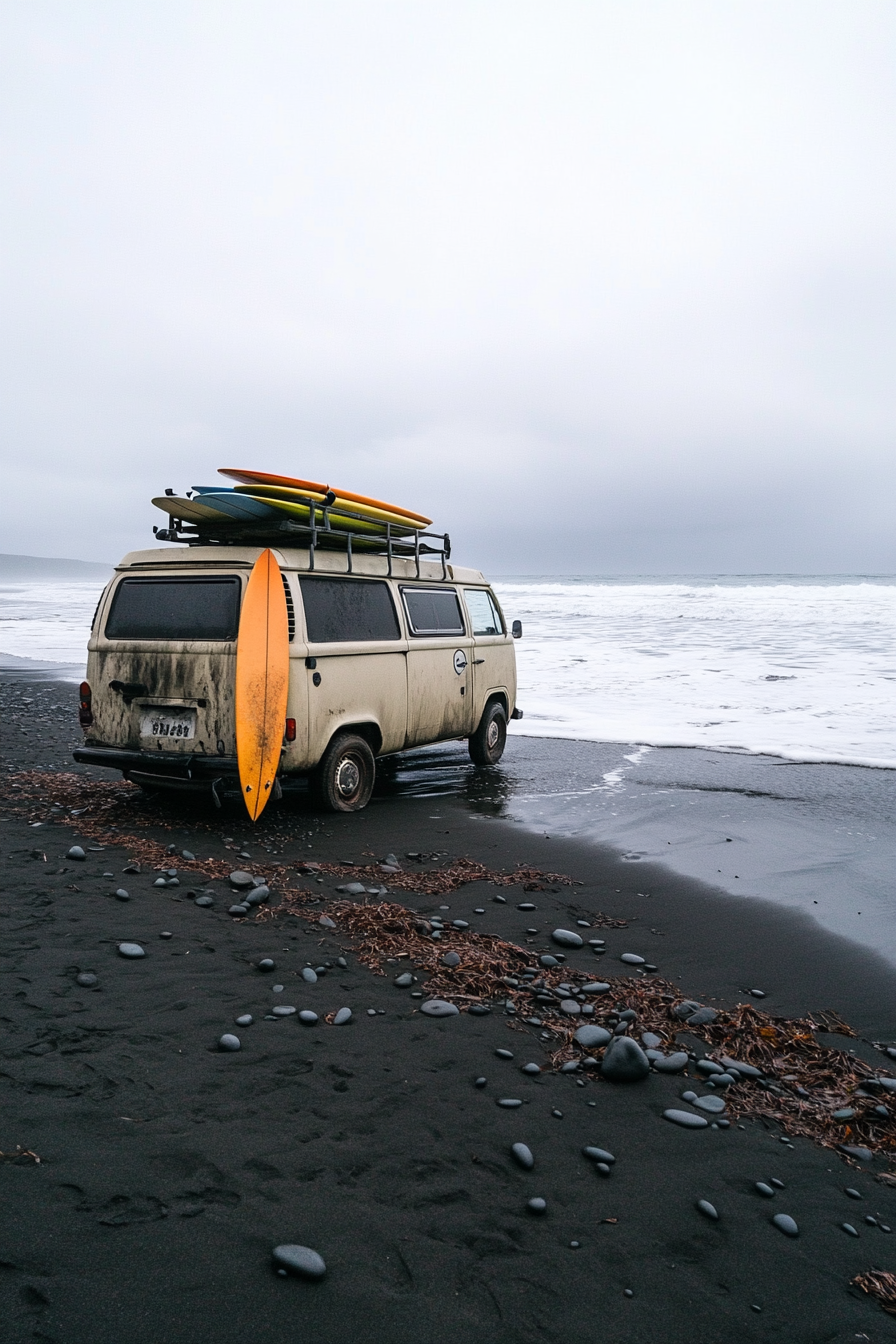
369,1142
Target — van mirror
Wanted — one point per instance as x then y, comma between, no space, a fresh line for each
517,629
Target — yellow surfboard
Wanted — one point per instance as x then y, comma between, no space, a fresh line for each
262,682
280,494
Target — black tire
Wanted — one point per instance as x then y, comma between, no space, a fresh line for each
488,741
343,781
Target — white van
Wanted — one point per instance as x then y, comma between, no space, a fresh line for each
386,653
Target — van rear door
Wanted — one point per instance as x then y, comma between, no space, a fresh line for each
162,665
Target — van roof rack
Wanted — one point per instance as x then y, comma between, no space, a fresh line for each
317,534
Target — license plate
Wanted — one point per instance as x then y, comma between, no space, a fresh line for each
179,726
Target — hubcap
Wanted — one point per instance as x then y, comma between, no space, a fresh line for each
493,733
348,777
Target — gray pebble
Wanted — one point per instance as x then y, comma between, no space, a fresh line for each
715,1105
439,1008
571,1066
480,1082
504,1054
459,924
308,1017
165,934
277,989
764,1189
283,1010
204,901
624,1061
404,981
848,1227
708,1066
558,1115
591,1036
595,987
344,1015
599,1155
757,993
326,922
341,961
671,1063
241,879
122,895
229,1042
353,889
266,964
478,1010
244,1020
132,950
160,882
451,959
859,1153
632,959
571,1007
532,1069
238,910
523,1156
548,961
784,1223
853,1194
309,976
87,980
779,1185
186,854
300,1260
686,1119
536,1205
650,1040
510,1102
702,1017
747,1070
76,852
708,1209
685,1009
566,938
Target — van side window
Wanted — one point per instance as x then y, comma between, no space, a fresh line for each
175,609
343,610
483,612
433,611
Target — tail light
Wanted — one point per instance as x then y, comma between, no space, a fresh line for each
290,730
85,710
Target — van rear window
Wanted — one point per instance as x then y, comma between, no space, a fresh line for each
433,611
343,610
175,609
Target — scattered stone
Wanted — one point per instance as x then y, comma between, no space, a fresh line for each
309,976
459,924
760,994
595,987
122,895
592,1036
500,900
650,1040
510,1102
748,1070
478,1010
283,1010
685,1009
532,1069
548,961
784,1223
160,882
166,934
765,1190
504,1054
714,1105
479,1082
300,1260
702,1017
624,1061
523,1156
571,1066
238,910
848,1227
244,1020
344,1015
353,889
257,896
599,1155
132,950
266,964
526,905
686,1119
242,880
566,938
76,852
439,1008
779,1185
186,854
571,1007
632,959
859,1153
708,1066
86,980
229,1042
404,981
853,1194
451,959
204,901
308,1017
537,1205
709,1210
671,1063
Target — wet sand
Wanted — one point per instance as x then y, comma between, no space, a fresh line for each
169,1169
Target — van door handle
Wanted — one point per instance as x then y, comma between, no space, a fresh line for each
477,661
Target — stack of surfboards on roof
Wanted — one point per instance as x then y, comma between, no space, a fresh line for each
262,501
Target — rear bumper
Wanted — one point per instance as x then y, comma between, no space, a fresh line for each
169,768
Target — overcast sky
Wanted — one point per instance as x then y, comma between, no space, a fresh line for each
605,288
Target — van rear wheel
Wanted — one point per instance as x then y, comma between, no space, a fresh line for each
487,743
343,781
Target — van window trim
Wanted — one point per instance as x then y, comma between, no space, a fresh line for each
484,588
433,588
325,577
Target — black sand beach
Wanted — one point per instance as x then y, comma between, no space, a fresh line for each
168,1169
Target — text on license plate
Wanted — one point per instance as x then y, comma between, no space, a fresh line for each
178,726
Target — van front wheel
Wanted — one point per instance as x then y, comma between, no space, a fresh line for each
343,782
488,741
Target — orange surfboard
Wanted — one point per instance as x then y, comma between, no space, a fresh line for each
262,682
266,478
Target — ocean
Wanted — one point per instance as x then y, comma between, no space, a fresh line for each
799,668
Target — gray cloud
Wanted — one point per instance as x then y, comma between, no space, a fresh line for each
604,288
